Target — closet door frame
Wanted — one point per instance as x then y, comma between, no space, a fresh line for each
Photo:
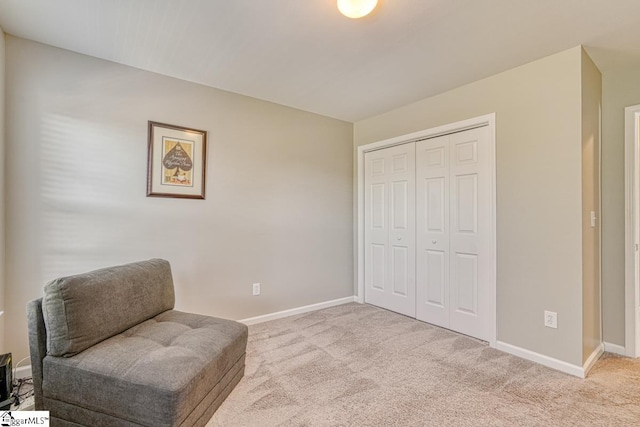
486,120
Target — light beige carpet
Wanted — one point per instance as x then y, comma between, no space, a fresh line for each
358,365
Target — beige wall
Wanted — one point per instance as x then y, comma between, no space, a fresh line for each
2,202
539,232
620,89
591,304
279,188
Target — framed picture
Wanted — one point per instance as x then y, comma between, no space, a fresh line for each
177,161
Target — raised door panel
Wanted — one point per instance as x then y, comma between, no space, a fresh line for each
400,205
435,280
466,152
435,204
465,284
377,266
399,270
377,206
377,167
400,163
465,208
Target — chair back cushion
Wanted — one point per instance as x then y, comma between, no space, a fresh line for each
80,311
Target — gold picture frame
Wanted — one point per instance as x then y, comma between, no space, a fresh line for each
176,165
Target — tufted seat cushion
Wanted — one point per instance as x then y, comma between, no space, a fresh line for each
118,377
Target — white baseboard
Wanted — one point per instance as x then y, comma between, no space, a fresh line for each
615,349
593,358
550,362
294,311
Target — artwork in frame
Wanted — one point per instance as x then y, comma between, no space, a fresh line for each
177,161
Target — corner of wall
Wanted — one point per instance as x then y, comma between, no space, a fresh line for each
591,101
2,205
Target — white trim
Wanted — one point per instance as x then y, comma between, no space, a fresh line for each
632,315
615,349
549,362
493,249
294,311
593,358
23,372
486,120
600,218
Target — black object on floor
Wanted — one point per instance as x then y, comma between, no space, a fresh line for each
6,381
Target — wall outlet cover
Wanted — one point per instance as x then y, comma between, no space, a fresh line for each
551,319
256,289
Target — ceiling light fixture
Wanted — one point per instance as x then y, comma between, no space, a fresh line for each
356,8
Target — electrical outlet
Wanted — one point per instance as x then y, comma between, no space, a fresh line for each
256,289
551,319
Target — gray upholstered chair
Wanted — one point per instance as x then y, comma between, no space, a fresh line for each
107,349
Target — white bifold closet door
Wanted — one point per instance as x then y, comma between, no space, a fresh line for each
390,236
428,232
454,232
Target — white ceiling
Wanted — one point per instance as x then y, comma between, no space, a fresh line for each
304,54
